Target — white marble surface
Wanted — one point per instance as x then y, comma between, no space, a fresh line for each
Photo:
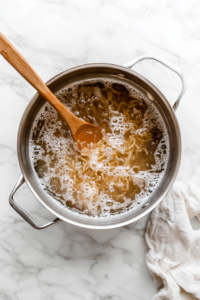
64,261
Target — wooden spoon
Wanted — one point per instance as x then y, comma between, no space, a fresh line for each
83,133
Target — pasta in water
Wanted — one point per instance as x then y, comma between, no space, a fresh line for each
120,171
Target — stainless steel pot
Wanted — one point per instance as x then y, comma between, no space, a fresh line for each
123,73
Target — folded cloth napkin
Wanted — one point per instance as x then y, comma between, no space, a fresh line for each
173,258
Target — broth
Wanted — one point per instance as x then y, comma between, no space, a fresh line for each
120,171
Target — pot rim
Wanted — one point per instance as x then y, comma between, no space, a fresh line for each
147,209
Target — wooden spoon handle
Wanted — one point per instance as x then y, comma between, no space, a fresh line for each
11,54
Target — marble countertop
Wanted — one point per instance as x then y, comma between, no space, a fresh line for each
64,261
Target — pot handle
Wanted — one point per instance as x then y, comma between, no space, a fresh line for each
169,65
22,212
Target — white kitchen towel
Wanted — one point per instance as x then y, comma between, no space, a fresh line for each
173,258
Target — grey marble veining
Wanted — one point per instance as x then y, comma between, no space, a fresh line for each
64,261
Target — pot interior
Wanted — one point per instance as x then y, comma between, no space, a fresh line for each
122,75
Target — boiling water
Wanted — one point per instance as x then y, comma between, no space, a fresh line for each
122,170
